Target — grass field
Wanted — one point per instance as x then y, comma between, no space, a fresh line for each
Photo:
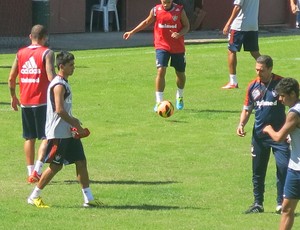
189,171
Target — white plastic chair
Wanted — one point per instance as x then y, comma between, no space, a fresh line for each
105,6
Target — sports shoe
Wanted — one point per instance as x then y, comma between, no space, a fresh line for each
179,103
34,177
255,208
38,202
156,107
93,204
278,209
230,86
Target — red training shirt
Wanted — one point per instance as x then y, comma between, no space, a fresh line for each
166,23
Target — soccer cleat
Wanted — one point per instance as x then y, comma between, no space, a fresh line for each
38,202
93,204
278,209
255,208
34,177
179,103
230,86
156,107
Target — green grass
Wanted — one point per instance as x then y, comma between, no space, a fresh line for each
189,171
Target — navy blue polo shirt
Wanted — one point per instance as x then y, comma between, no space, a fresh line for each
263,98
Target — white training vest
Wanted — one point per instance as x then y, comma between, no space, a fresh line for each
295,143
56,127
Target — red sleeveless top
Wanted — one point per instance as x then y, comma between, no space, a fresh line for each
33,78
166,23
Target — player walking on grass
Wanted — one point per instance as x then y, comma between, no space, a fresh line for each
262,97
62,148
295,8
288,90
34,65
171,24
242,29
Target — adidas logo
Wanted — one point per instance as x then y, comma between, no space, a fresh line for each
30,67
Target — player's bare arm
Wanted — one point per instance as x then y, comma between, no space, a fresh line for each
235,11
12,85
243,121
185,26
59,92
144,24
293,6
292,121
50,67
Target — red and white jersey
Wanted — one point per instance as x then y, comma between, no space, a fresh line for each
33,78
166,23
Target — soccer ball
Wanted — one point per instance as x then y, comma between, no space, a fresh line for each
165,109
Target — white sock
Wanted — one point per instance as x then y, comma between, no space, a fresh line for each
179,93
87,194
233,79
159,96
35,193
38,166
30,169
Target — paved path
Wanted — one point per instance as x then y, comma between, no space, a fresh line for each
99,40
114,40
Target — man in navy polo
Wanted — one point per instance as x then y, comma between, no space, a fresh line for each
264,100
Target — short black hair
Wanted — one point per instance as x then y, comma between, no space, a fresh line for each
265,59
63,57
287,86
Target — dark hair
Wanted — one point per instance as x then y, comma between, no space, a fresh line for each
38,32
287,86
265,59
63,57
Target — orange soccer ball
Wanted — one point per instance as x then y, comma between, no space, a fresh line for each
165,109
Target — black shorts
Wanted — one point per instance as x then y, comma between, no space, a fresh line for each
33,122
64,151
249,40
177,60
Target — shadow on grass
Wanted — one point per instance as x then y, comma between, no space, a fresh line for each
118,182
176,121
4,103
142,207
212,111
146,207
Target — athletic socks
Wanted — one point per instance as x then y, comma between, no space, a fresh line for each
38,167
233,79
30,169
35,193
87,194
159,96
179,93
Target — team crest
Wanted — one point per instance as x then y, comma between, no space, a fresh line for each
256,94
274,93
175,17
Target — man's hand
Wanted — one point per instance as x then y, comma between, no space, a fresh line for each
240,130
14,103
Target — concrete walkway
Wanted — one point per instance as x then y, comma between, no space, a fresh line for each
100,40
